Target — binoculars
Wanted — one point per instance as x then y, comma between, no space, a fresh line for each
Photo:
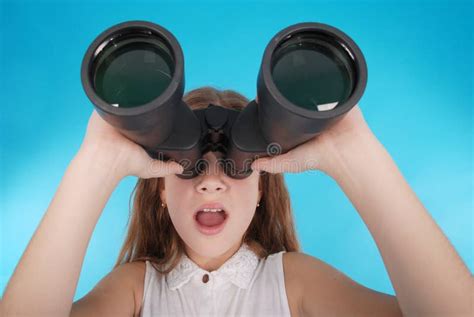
311,75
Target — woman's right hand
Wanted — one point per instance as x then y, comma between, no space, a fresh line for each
111,149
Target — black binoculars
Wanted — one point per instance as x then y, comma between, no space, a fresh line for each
311,75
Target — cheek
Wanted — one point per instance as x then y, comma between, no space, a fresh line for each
247,188
241,219
176,189
179,195
246,200
242,198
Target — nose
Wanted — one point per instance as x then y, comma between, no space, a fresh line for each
211,183
213,178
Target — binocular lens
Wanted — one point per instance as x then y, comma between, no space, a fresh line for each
133,69
313,71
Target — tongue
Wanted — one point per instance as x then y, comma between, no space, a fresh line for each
210,219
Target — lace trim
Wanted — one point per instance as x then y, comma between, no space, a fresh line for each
238,269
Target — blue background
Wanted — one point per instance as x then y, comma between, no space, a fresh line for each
418,102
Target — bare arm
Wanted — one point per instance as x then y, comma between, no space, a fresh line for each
45,279
429,277
318,289
118,294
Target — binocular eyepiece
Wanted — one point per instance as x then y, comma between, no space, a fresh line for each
311,75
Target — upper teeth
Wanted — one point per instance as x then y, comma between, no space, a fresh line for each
211,209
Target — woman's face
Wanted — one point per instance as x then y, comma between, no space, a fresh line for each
184,196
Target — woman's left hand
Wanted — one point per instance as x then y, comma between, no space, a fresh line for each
321,152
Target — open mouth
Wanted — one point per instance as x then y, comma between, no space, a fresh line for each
211,220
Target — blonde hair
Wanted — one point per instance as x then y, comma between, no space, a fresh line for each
151,234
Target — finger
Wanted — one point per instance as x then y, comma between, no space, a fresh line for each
278,164
159,168
259,164
294,161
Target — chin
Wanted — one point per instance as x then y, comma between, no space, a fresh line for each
210,246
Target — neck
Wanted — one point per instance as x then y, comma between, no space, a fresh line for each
212,263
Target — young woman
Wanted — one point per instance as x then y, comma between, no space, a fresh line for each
169,266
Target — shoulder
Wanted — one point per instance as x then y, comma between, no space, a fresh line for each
131,269
305,273
304,270
299,265
135,272
132,275
316,287
121,289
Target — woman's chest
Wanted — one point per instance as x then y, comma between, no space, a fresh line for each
273,292
186,301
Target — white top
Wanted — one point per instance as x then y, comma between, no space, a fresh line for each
243,286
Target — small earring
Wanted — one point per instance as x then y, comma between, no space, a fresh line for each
258,204
162,205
